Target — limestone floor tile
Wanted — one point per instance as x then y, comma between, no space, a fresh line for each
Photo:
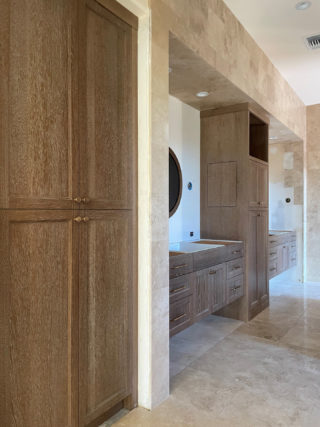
229,374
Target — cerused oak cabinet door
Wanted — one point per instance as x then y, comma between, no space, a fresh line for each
258,184
258,261
262,258
39,327
107,76
217,287
201,295
38,108
106,315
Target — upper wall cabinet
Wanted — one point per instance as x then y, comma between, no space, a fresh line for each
258,183
106,115
37,109
67,109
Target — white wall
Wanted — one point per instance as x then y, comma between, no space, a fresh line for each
184,140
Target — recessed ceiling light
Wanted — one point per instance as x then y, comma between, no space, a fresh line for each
202,94
303,5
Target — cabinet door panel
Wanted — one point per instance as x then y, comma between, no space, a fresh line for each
217,287
38,162
106,299
252,262
108,122
263,182
262,260
39,268
201,295
253,184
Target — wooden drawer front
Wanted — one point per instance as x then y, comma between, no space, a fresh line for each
273,268
235,268
274,241
235,288
180,314
235,252
293,246
292,259
181,264
181,287
273,254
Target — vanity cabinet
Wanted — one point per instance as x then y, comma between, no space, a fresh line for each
282,252
208,289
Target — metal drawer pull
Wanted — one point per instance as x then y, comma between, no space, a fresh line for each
237,267
173,291
237,287
236,252
293,259
212,272
178,318
272,269
273,241
273,253
179,266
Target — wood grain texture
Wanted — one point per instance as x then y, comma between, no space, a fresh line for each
106,290
38,142
39,273
107,102
217,287
222,184
201,295
225,137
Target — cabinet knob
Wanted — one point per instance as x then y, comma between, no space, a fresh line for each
85,219
77,199
85,200
77,219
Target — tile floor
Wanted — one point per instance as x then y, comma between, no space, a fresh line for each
226,373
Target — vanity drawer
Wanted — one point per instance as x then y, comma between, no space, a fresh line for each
181,264
235,268
180,314
235,288
181,286
292,259
273,268
273,253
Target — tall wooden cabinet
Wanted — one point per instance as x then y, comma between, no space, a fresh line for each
68,219
234,194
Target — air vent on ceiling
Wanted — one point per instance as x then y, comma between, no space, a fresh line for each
313,42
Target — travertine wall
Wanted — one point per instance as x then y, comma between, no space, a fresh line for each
313,194
210,29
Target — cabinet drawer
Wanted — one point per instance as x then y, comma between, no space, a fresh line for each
293,246
293,259
273,268
181,286
180,314
273,253
235,288
235,268
181,264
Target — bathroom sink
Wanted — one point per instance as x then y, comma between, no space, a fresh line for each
212,242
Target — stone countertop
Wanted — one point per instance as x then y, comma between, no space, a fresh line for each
193,246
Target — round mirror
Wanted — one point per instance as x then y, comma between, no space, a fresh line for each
175,183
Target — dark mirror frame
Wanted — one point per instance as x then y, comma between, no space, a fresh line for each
175,159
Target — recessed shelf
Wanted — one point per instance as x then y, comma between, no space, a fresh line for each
258,138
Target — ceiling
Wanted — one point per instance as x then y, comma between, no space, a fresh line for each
191,74
279,29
